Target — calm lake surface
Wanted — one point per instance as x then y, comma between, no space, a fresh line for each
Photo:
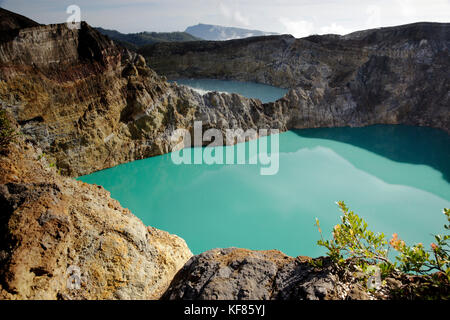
263,92
395,177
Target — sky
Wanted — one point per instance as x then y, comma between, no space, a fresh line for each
297,17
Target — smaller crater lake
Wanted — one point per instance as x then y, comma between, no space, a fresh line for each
395,177
263,92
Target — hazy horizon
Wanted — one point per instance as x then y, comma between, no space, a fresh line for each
299,18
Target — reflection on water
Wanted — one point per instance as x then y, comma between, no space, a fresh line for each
385,181
405,144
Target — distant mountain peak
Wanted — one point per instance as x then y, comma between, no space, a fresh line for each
216,32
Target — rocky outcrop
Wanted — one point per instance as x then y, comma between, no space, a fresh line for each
388,75
240,274
12,21
65,239
65,89
90,105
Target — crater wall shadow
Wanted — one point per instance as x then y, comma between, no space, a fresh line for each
401,143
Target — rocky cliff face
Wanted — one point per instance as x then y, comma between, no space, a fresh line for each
388,75
61,238
84,104
66,90
90,105
65,239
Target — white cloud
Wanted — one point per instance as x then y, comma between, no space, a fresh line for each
234,16
407,7
241,19
374,16
298,28
226,12
334,28
303,28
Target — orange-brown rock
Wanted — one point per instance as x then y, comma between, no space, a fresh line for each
90,105
65,239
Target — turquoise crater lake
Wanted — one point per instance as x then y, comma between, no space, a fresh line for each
263,92
396,177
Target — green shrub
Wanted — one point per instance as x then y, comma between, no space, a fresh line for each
418,260
352,239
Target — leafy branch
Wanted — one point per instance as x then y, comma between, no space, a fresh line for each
353,240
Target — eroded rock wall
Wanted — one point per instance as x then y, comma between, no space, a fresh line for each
56,230
395,75
90,105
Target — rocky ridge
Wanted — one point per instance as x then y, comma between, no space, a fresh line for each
65,239
12,21
394,75
89,104
62,238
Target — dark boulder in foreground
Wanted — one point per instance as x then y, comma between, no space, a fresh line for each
241,274
253,275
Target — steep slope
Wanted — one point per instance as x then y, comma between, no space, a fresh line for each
214,32
65,239
388,75
90,104
11,21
